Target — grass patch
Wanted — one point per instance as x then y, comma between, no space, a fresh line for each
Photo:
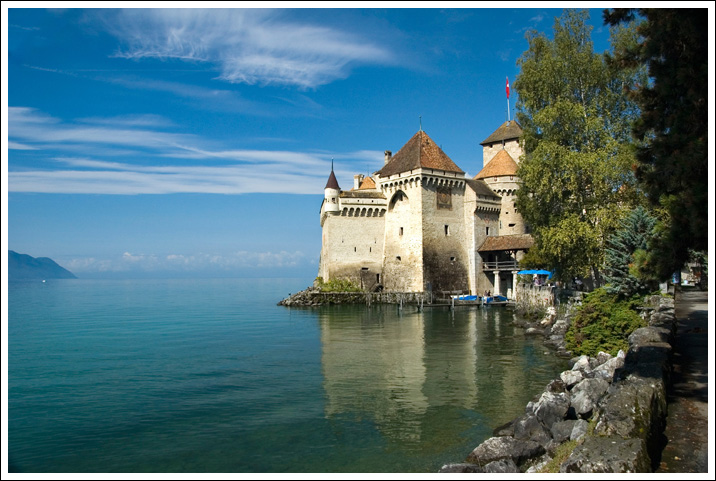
560,456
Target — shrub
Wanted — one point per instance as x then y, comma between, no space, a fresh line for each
337,285
603,323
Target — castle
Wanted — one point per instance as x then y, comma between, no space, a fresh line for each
419,224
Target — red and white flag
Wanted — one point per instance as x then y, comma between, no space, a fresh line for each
507,88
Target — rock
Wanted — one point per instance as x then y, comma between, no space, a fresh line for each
507,429
603,357
461,468
570,378
502,466
505,447
556,386
562,430
582,364
610,454
529,428
633,408
533,331
586,394
579,430
606,370
645,335
552,407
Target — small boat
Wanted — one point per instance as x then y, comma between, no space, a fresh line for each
465,298
496,300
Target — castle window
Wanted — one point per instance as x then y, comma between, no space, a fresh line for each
447,230
400,231
397,258
355,249
511,225
370,249
452,259
487,231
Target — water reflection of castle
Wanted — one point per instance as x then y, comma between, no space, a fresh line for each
395,371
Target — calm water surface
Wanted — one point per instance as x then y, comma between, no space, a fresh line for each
213,376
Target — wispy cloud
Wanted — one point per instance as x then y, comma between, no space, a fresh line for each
189,263
153,161
253,46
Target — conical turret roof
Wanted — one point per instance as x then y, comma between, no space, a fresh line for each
332,182
501,164
419,152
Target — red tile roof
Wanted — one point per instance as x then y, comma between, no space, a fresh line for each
419,152
367,183
513,242
510,130
501,164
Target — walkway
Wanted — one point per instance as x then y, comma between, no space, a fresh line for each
687,433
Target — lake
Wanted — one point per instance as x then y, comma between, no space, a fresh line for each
210,375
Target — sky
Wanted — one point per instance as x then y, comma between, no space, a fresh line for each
197,142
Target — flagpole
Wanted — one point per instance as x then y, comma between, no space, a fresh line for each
507,91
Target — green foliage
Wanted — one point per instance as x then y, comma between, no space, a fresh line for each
337,285
626,260
672,128
576,172
603,323
561,454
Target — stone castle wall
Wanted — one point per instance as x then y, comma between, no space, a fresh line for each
512,147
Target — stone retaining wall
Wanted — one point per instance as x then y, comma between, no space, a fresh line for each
612,409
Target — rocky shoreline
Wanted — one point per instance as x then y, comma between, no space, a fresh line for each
604,415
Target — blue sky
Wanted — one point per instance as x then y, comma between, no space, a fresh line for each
160,142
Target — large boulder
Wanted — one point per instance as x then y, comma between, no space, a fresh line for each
608,454
504,447
552,407
586,394
528,427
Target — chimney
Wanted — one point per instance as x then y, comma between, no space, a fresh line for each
357,179
388,155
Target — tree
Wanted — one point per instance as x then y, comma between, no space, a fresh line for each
673,126
575,172
626,263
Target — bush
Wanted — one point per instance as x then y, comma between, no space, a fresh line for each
603,323
337,285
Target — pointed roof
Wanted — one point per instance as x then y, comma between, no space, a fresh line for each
510,130
419,152
501,164
332,182
481,188
367,183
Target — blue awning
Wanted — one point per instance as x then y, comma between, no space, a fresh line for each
540,272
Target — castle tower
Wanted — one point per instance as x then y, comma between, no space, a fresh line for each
501,152
331,193
424,224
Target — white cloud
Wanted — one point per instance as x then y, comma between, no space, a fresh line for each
245,44
158,163
236,261
19,146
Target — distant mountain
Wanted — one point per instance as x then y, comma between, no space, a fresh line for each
22,266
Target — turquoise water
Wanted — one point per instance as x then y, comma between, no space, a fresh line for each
213,376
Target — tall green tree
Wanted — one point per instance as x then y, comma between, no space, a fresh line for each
626,264
673,127
576,169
